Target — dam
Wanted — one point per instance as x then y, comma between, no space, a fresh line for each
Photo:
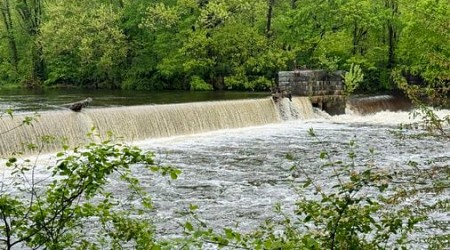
48,131
232,155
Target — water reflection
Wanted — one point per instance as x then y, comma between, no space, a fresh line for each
50,99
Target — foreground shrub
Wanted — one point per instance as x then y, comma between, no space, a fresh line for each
74,208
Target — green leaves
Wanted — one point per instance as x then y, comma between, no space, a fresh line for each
83,40
78,193
11,162
353,78
198,83
166,171
188,226
160,15
424,51
163,44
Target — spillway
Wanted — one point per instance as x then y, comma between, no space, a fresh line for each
50,130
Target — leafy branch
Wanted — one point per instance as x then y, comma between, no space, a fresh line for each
52,218
27,120
352,79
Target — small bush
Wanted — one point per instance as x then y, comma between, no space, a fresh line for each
197,83
73,208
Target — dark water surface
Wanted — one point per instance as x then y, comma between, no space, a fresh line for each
21,100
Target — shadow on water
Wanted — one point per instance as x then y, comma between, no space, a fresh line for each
22,100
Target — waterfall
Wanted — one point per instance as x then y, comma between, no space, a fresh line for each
297,108
62,126
140,122
373,104
134,123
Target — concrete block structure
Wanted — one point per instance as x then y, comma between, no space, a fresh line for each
311,82
325,89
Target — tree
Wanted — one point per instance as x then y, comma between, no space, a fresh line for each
31,15
424,49
309,28
215,44
167,24
392,31
21,22
224,43
145,49
9,26
352,79
84,44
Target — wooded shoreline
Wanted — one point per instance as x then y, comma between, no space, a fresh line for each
220,45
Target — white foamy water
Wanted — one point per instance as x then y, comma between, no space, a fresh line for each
139,122
237,175
389,118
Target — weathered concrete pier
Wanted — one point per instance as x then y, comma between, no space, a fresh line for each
325,89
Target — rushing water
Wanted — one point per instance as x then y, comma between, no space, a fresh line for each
146,121
237,174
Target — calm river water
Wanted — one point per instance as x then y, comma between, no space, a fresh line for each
23,100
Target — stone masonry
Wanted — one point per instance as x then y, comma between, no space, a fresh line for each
325,89
311,82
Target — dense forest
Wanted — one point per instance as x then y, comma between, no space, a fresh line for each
220,44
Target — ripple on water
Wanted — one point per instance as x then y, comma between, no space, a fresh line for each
253,173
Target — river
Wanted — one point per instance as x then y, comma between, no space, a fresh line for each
39,100
236,175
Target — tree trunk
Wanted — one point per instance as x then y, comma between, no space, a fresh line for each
392,35
30,13
120,2
359,35
392,41
293,4
355,38
269,19
7,20
38,69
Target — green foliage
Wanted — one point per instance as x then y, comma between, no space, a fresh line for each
330,64
198,84
352,79
160,15
83,49
425,52
76,209
163,44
